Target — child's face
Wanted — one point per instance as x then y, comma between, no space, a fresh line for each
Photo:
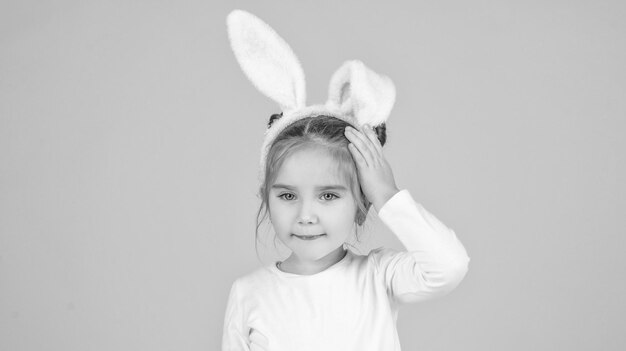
304,207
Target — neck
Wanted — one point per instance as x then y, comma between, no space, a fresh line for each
293,264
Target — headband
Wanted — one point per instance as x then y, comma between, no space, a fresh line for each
356,94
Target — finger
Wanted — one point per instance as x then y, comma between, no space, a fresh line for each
371,134
359,142
357,156
363,144
371,141
355,148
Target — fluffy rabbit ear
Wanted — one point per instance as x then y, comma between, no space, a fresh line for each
267,60
357,91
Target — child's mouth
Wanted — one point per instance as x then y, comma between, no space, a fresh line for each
308,237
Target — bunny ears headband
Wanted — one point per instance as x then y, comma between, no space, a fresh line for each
356,94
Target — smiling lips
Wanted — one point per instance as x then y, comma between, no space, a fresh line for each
309,237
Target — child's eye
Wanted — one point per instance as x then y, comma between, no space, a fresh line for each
331,194
282,196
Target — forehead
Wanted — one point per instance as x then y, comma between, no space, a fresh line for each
310,168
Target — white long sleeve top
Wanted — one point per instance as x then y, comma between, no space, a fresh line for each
353,304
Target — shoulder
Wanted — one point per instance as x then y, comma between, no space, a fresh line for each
379,252
373,260
382,257
256,280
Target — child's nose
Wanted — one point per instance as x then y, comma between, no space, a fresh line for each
307,213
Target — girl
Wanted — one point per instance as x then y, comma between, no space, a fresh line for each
322,168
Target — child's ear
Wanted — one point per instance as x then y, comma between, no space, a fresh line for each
360,217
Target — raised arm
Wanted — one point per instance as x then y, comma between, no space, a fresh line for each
434,262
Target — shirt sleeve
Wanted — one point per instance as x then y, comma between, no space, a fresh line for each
435,261
235,334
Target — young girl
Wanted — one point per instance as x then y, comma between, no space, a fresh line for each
322,168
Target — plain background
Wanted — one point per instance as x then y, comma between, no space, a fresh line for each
129,145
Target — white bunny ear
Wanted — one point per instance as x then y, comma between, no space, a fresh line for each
267,60
357,91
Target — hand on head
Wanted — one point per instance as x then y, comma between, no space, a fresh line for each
374,172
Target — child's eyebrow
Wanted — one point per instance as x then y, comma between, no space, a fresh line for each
323,187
